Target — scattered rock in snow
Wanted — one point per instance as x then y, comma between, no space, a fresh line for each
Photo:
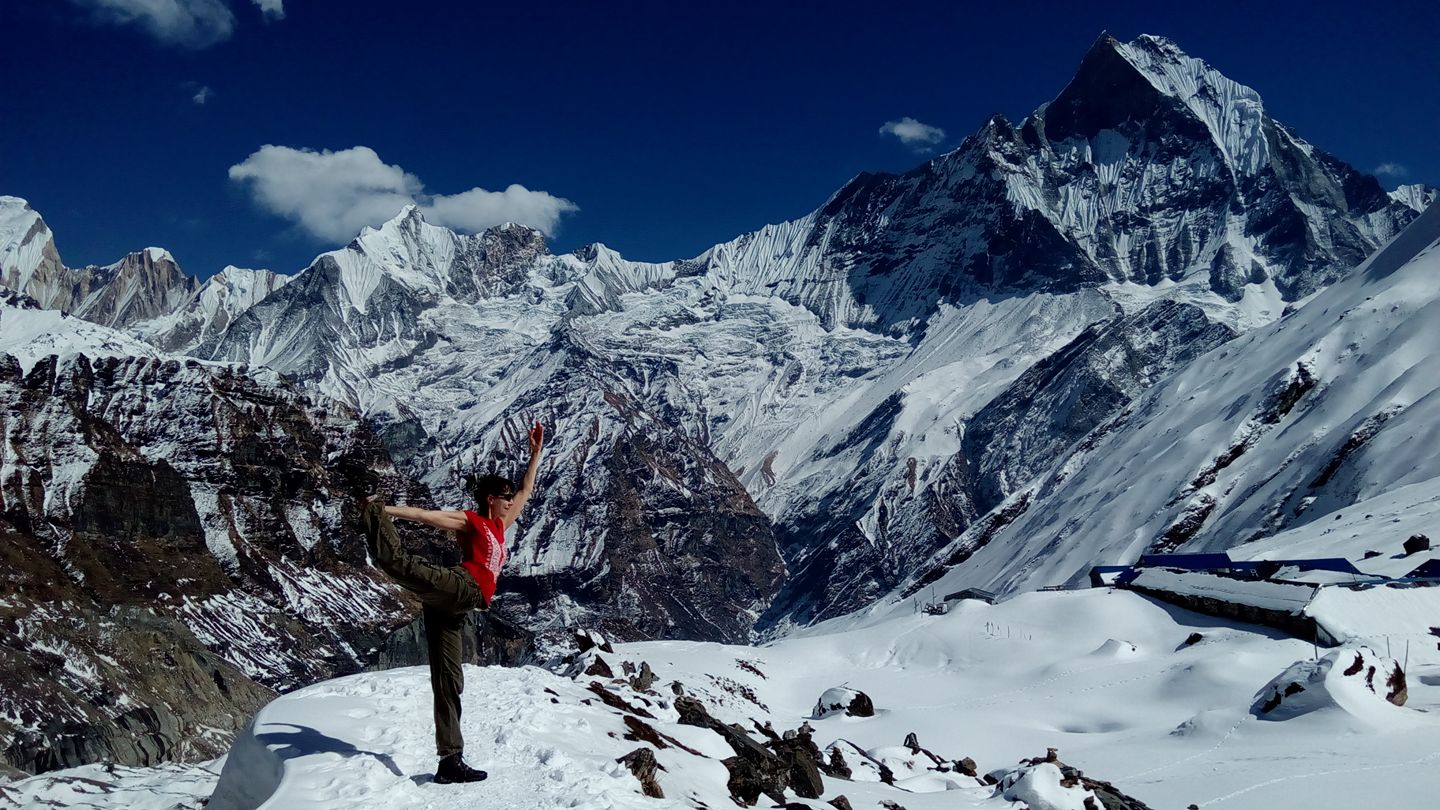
599,669
750,667
645,679
1042,787
754,770
837,766
1417,543
641,762
841,803
1046,783
614,701
587,639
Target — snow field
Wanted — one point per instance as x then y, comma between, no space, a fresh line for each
1096,674
1104,676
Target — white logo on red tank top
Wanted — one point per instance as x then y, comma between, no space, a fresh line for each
495,558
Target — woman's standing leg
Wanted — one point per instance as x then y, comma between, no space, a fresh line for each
447,679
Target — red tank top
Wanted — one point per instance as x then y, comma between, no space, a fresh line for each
482,546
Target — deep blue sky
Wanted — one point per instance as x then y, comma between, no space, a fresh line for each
672,126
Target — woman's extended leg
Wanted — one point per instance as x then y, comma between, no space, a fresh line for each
450,589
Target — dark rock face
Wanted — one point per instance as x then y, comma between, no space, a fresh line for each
188,528
666,542
140,286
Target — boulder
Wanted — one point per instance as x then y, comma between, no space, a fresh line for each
837,766
597,668
1352,679
837,699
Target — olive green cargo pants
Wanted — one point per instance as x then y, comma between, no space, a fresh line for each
447,594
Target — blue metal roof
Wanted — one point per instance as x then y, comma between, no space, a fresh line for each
1339,564
1427,570
1188,561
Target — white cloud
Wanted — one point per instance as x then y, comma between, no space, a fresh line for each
332,195
272,9
202,95
1389,169
913,134
186,23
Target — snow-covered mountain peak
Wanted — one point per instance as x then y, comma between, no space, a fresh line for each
27,248
236,289
17,218
158,254
1233,112
607,276
1136,81
1415,195
145,284
426,258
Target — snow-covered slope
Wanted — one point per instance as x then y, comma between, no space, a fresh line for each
1164,705
1295,436
29,332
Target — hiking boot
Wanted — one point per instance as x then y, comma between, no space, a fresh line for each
453,771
